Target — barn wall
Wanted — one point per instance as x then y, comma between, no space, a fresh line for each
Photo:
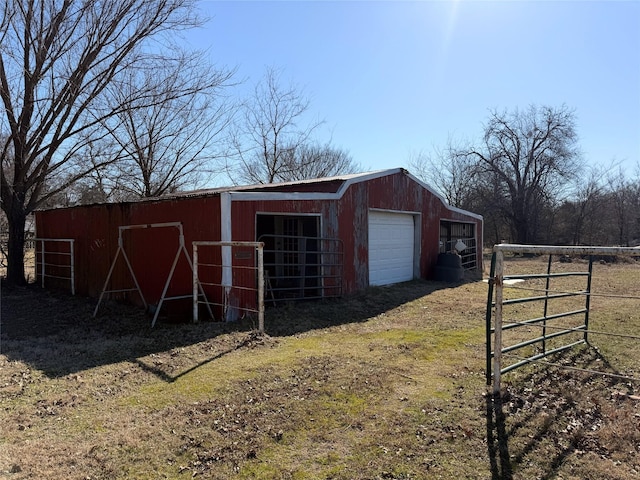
397,192
151,251
345,216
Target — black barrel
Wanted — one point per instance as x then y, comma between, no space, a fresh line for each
449,268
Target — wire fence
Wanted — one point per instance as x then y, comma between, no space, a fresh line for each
231,276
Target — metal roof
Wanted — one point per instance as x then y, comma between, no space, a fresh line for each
260,187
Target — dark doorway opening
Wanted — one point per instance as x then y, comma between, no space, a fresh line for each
453,232
292,256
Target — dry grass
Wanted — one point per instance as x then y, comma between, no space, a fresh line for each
29,264
387,384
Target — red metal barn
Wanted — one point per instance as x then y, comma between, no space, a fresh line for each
323,237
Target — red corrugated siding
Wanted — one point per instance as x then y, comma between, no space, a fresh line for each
396,192
151,251
347,218
95,229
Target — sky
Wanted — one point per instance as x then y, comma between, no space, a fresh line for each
391,78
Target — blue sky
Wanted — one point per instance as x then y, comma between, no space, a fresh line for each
394,78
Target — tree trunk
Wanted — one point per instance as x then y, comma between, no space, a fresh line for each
15,250
519,219
521,227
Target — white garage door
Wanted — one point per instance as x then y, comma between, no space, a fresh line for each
391,247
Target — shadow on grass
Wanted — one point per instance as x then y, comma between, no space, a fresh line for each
497,439
547,416
248,340
56,333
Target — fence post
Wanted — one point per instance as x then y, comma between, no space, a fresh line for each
42,260
546,305
588,299
195,282
261,288
497,349
73,275
488,316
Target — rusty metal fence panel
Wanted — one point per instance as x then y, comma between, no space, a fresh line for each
302,268
469,255
231,275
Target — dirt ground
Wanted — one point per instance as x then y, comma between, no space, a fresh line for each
387,384
36,315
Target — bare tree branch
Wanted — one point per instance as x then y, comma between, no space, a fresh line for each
172,138
57,59
534,154
270,130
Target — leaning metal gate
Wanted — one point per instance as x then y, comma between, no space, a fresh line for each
121,251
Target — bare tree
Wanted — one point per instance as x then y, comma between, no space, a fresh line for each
602,210
57,58
586,203
316,161
623,197
635,205
172,140
533,154
453,175
270,131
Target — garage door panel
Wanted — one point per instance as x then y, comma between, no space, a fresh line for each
391,247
